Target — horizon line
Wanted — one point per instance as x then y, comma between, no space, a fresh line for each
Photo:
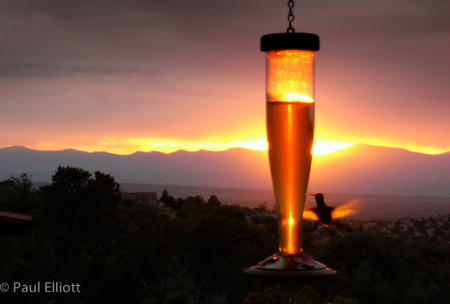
344,147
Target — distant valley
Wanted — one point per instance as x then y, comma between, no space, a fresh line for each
374,206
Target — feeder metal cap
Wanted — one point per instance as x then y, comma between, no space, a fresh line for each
290,41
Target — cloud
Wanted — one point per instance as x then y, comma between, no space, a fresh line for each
52,70
199,62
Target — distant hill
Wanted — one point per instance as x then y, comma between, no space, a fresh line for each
234,168
370,169
361,169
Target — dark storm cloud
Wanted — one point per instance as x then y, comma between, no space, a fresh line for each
107,30
180,14
132,32
157,34
50,70
386,20
196,18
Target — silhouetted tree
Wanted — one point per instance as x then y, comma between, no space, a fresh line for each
18,195
170,201
213,201
78,208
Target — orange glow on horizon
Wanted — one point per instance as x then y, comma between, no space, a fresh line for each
412,147
321,147
425,150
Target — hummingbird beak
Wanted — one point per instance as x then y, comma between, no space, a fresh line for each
311,194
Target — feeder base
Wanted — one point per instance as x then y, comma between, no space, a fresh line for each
296,265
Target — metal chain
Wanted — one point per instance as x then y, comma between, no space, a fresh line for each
290,17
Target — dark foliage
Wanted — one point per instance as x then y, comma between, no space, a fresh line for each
186,251
17,195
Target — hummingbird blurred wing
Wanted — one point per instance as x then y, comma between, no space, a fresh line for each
351,208
309,214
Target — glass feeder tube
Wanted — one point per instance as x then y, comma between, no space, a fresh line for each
290,128
290,135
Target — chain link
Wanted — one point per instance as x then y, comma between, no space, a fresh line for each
290,17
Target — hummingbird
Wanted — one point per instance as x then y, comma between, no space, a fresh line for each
325,214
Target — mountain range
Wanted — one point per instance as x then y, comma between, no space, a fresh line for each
361,169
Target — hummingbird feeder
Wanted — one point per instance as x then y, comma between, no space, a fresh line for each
290,105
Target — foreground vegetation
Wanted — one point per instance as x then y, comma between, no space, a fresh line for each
194,251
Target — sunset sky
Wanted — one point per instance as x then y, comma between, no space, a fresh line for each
128,75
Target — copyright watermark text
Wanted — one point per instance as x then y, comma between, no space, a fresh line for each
45,287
